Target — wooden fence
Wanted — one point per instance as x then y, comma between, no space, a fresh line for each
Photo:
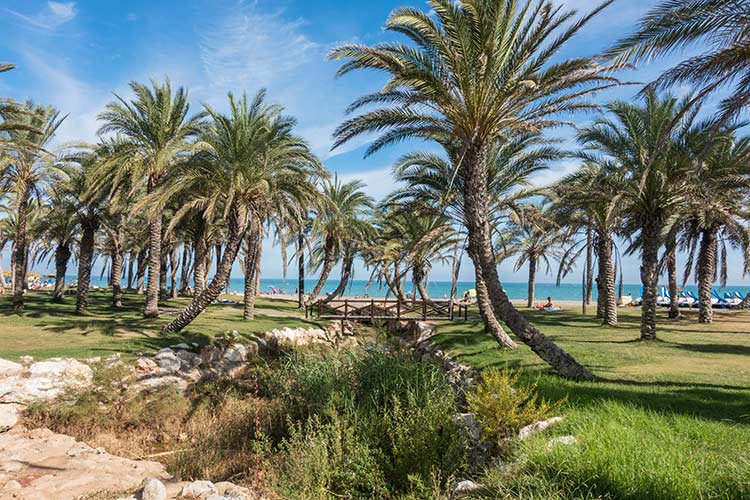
388,309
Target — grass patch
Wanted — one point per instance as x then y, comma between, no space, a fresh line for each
48,329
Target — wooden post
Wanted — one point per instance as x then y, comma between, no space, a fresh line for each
372,309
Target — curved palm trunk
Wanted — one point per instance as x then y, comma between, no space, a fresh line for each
2,272
188,314
300,269
706,274
674,306
455,271
154,269
532,280
141,270
491,324
328,261
62,256
606,301
346,274
85,259
481,253
649,279
117,258
252,257
589,264
393,285
201,256
419,282
19,252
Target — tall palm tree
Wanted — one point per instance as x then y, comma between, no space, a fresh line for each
24,171
157,124
477,72
591,195
718,28
534,237
245,161
650,173
344,207
715,215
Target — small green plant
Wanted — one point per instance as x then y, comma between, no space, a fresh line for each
503,405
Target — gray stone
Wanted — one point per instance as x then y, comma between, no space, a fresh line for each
530,429
180,346
45,380
199,489
154,490
188,360
9,368
8,416
168,361
465,487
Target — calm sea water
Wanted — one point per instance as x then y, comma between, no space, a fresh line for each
436,289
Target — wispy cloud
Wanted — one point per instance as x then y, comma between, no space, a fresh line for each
379,183
248,47
51,16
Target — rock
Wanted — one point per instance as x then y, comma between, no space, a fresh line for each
219,362
168,361
158,383
232,490
12,485
93,361
199,489
8,416
297,336
154,490
181,346
9,368
146,367
466,486
530,429
45,380
188,360
113,360
562,440
26,360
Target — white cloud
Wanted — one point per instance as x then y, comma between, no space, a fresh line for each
247,47
553,174
51,16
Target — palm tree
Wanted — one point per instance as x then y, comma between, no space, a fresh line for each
157,124
477,72
590,195
649,172
535,237
344,207
718,28
24,171
246,161
715,215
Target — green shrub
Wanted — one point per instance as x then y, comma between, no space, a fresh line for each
503,405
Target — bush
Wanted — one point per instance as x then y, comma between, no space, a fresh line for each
503,405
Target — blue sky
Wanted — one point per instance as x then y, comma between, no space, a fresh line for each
75,54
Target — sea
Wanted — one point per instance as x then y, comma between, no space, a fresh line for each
436,289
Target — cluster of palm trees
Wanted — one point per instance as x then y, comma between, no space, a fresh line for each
165,192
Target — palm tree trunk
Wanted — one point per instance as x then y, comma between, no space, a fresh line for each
141,270
218,256
236,230
481,252
674,306
607,300
649,278
328,261
131,263
532,280
346,274
62,256
117,258
85,259
163,268
185,268
252,243
706,274
174,263
154,269
300,269
19,253
455,271
3,242
589,263
199,266
419,281
491,324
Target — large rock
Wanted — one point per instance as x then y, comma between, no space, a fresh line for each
199,489
168,361
226,361
297,337
8,416
9,368
530,429
154,490
44,380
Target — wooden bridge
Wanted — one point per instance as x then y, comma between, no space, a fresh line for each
388,309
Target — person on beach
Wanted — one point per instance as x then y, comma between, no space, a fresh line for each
549,306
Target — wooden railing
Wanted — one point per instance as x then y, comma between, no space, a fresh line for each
385,309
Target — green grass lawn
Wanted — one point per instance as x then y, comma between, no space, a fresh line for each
47,329
667,419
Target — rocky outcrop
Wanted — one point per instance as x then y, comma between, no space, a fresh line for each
530,429
43,380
